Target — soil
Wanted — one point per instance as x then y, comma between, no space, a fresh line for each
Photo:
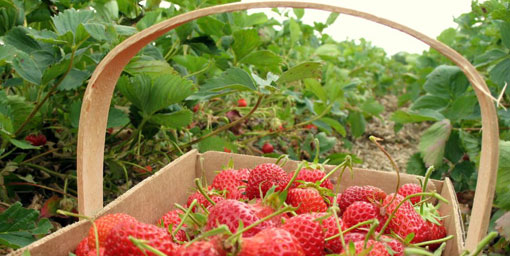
401,146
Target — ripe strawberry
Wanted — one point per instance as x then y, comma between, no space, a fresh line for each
196,108
227,150
94,252
263,209
230,181
205,248
310,175
242,103
201,200
410,189
357,193
36,140
104,225
264,176
83,247
267,148
361,211
231,212
330,228
118,242
406,219
307,199
308,232
271,242
377,248
172,218
311,126
396,246
436,232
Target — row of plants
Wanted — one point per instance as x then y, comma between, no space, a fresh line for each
236,82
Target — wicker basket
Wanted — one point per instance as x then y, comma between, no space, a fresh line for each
157,193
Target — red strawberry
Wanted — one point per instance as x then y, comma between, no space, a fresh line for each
361,211
310,175
307,199
242,103
271,242
202,201
308,233
196,108
94,252
118,242
406,219
36,140
83,247
230,181
396,246
104,225
172,218
225,149
231,212
330,228
262,209
267,148
377,248
357,193
311,126
264,176
410,189
436,232
198,248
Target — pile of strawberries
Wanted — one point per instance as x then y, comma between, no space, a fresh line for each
266,211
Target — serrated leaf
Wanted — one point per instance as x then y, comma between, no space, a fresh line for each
299,12
500,73
430,102
70,19
301,71
446,82
489,57
263,59
357,123
471,144
74,79
404,117
332,18
316,88
27,68
415,165
232,80
149,66
295,31
245,41
328,50
212,143
23,144
116,118
461,108
97,31
503,181
174,120
191,63
18,37
372,107
335,125
432,142
504,29
211,26
125,30
326,143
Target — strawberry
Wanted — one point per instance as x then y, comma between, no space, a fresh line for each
307,200
271,242
196,108
36,140
201,200
205,248
308,232
227,150
396,246
118,242
104,225
361,211
436,232
357,193
94,252
311,126
231,212
330,228
267,148
377,248
230,181
406,219
263,209
410,189
83,247
242,103
264,176
172,218
311,175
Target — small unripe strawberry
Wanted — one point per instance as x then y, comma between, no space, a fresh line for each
267,148
36,140
242,103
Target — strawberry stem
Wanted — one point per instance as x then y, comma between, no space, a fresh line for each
395,166
186,214
417,251
346,163
370,232
484,243
94,227
222,229
201,190
366,222
283,158
294,176
143,246
431,194
337,222
444,239
317,151
429,172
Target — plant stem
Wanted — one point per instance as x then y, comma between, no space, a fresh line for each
40,155
66,213
484,243
143,246
395,166
48,171
201,190
40,186
444,239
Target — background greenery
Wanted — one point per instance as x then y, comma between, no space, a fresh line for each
181,92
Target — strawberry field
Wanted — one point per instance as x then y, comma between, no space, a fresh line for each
244,83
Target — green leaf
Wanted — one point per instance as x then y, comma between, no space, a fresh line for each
490,56
446,82
97,31
295,31
338,158
404,117
211,26
332,18
461,108
471,144
503,181
504,28
299,12
328,50
232,80
432,142
357,123
19,225
174,120
7,53
191,63
26,67
372,107
326,143
263,59
18,37
116,118
335,124
245,41
301,71
125,30
212,143
149,66
453,148
500,73
153,94
430,102
316,88
415,165
73,80
22,144
18,111
149,19
70,19
109,10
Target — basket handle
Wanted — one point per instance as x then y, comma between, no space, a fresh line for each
97,99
